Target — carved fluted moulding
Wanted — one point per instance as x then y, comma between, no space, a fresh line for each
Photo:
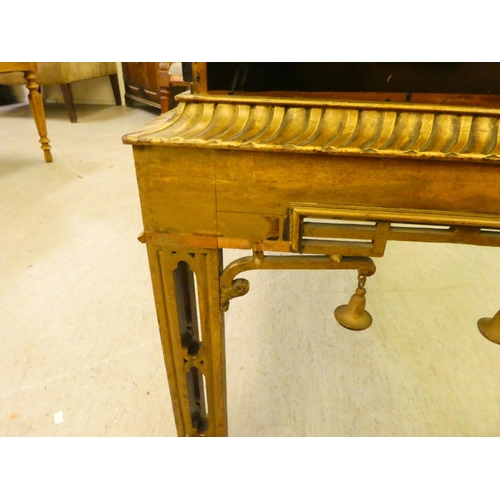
327,126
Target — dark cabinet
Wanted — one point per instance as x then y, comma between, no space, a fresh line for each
141,83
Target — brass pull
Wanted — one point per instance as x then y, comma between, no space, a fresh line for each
353,315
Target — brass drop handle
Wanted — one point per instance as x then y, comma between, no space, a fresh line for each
353,315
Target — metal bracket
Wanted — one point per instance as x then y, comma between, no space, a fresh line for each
231,287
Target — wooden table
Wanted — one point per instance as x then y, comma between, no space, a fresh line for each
35,100
329,181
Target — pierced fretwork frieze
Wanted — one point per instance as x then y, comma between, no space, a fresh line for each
359,231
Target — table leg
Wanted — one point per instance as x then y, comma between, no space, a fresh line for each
36,104
187,295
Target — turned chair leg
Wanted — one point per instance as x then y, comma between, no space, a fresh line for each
36,105
68,101
116,89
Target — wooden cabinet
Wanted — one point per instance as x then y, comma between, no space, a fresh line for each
141,83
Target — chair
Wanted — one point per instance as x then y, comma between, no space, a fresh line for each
28,70
66,73
170,75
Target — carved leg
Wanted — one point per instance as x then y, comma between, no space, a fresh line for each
36,105
116,89
68,101
186,289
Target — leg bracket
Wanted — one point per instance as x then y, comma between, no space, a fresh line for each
231,287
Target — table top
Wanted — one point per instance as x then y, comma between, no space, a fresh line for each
327,126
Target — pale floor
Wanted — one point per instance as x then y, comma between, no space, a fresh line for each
79,334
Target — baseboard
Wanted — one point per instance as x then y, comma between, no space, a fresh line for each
102,102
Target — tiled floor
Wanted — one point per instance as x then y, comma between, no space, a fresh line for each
79,334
